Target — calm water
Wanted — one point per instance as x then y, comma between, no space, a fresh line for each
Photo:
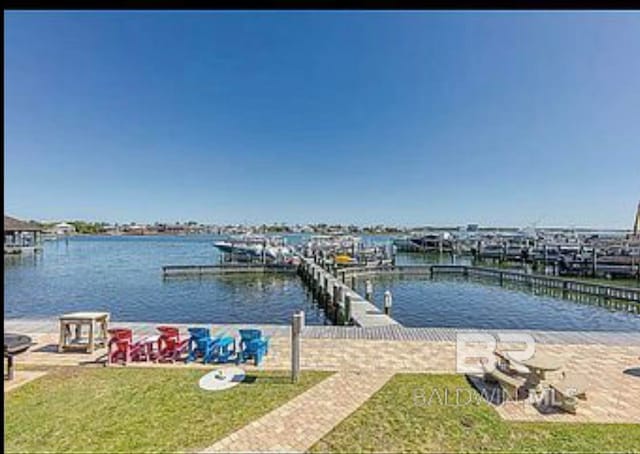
458,303
123,276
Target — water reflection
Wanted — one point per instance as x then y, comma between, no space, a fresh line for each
26,260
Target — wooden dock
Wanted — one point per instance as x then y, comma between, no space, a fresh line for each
615,297
334,287
227,268
342,303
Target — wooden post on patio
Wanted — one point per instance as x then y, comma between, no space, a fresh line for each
297,323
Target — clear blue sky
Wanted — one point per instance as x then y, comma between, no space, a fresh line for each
365,117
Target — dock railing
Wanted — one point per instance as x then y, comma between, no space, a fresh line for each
563,285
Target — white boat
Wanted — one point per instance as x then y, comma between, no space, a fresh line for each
255,246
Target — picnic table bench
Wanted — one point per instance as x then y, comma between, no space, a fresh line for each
512,384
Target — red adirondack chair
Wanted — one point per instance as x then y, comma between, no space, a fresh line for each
121,346
170,347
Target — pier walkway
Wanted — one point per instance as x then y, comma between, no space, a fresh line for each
350,306
49,326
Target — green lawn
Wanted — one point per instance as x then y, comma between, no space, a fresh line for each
398,419
136,410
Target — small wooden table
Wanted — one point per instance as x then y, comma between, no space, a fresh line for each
97,323
151,353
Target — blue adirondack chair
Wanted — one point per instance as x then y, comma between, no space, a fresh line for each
224,349
201,344
217,349
252,345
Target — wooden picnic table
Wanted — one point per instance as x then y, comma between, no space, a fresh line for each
97,323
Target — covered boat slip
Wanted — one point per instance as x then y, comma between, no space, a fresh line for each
21,237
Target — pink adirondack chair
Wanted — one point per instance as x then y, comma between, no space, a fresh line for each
122,348
170,347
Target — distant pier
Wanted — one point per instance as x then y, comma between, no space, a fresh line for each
227,268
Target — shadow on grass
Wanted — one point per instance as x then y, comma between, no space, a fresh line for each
490,392
267,380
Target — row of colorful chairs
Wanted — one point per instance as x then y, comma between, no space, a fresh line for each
168,346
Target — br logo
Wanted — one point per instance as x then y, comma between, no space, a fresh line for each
475,350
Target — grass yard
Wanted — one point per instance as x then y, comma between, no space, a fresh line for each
398,419
136,409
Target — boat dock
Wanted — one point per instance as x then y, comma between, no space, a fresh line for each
339,300
334,287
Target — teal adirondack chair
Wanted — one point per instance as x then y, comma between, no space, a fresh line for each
252,345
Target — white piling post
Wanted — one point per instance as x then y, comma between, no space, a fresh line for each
368,290
388,302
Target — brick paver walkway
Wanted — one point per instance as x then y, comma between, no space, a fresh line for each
298,424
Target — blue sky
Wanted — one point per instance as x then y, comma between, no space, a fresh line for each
364,117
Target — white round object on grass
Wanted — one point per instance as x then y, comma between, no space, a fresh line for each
223,378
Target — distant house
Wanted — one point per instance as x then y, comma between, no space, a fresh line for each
21,236
175,229
111,229
64,229
133,229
